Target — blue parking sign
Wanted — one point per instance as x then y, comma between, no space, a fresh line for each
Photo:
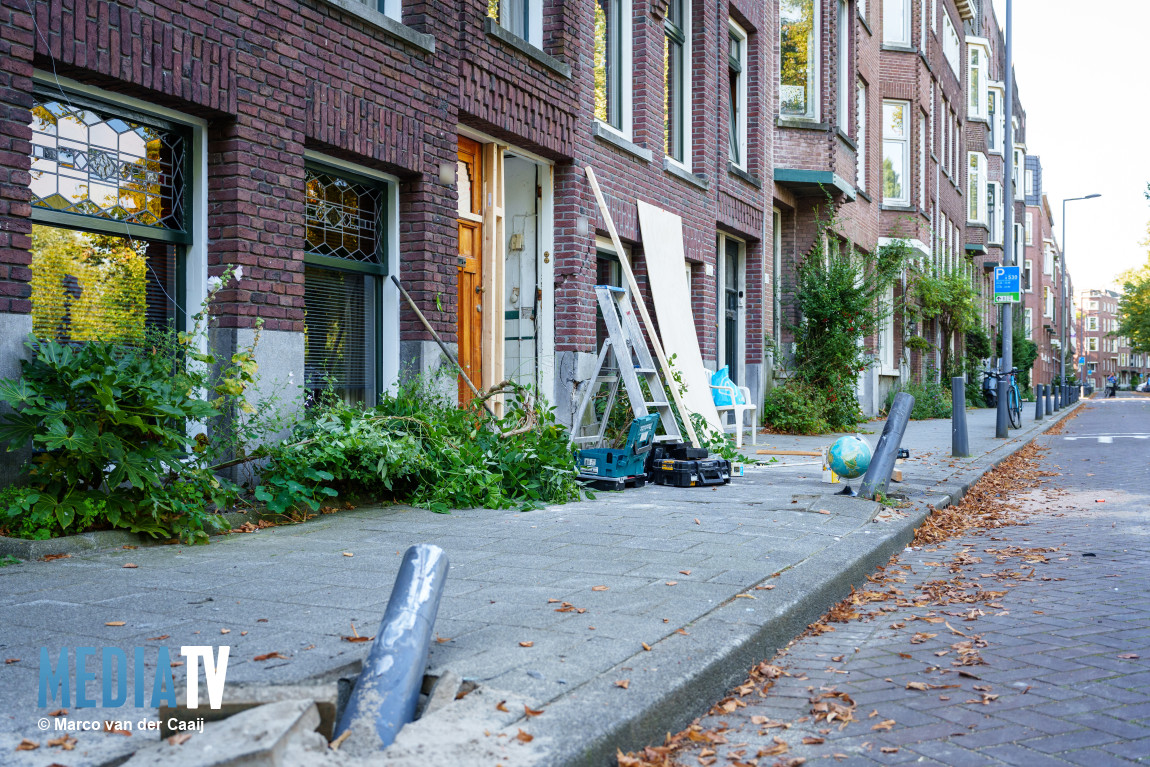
1007,284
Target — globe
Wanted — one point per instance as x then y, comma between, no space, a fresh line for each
849,457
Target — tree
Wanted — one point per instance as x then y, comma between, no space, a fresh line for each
1134,305
951,300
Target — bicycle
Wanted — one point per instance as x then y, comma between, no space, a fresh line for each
1013,395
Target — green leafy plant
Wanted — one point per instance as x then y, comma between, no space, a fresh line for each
418,447
931,399
948,298
840,298
107,423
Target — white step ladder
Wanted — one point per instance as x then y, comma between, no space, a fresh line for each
626,349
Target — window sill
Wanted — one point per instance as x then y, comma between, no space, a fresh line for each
847,139
977,225
609,136
679,172
899,208
866,25
801,123
750,178
896,48
492,28
863,195
389,25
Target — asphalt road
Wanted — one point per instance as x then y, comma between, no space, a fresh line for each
1055,663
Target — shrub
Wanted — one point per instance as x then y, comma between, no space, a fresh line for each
931,400
796,407
418,447
107,424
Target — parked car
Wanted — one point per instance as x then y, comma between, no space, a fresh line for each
1144,386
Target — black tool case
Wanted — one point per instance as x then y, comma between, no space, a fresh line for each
712,471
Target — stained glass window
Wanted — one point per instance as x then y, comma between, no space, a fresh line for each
344,217
91,161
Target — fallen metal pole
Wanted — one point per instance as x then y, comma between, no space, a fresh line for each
387,689
1038,409
882,463
959,439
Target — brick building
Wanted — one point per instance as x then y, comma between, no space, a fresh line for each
1041,261
1107,353
318,147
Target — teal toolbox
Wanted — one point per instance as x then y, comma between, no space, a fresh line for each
618,463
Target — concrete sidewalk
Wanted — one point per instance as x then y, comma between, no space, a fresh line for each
711,580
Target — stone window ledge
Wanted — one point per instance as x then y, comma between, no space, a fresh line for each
389,25
492,28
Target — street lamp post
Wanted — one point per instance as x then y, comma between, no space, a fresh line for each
1006,362
1062,324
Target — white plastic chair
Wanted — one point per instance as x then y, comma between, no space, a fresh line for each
737,410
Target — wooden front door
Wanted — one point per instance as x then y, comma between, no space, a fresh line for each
469,179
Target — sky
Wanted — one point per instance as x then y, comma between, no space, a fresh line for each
1081,78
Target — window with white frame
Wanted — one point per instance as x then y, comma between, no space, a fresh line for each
799,59
1047,301
933,14
112,217
995,117
994,212
677,81
896,152
922,32
1030,229
1019,163
1028,276
1029,181
1048,262
1092,343
845,26
921,161
737,95
345,263
522,18
976,185
950,43
861,4
977,66
896,15
944,152
394,8
1092,323
611,64
1028,323
861,137
885,335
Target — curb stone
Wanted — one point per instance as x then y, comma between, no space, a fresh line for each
101,539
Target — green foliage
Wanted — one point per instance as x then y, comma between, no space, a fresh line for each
931,400
107,423
418,447
950,299
840,298
796,407
1134,307
1023,355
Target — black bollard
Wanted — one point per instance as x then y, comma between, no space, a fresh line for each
1049,401
959,440
1038,408
882,462
1057,397
1002,421
387,689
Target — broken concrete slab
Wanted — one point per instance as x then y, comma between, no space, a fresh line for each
243,696
265,736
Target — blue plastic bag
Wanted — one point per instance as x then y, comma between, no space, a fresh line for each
722,377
